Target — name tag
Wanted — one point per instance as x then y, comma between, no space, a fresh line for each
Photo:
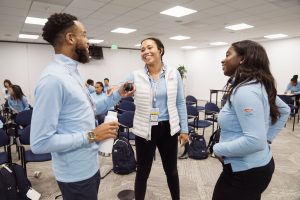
154,116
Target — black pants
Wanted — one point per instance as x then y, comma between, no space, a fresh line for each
244,185
167,146
82,190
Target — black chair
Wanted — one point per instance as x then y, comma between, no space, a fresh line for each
5,157
192,101
24,118
196,123
294,108
126,122
28,155
211,112
126,106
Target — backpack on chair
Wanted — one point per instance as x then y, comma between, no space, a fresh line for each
123,157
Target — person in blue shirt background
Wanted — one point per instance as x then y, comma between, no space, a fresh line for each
90,85
106,85
293,86
63,120
251,118
17,101
159,116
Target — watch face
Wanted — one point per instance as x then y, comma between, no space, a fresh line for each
91,135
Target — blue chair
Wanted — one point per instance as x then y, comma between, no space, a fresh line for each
294,108
126,122
28,155
196,123
211,112
192,101
5,157
24,118
127,99
126,106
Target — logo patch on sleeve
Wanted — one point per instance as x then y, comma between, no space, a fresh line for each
248,110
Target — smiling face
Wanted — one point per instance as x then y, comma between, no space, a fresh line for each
231,62
150,53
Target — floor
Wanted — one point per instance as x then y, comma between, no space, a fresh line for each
197,177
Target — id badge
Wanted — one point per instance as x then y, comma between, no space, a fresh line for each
154,116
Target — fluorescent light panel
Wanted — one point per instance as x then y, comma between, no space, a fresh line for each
95,41
275,36
189,47
137,45
238,27
178,11
180,37
35,20
123,30
218,43
27,36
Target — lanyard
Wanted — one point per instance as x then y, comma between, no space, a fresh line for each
79,81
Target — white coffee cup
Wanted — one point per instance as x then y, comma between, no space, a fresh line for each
105,146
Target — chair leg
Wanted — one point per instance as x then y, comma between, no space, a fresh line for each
294,122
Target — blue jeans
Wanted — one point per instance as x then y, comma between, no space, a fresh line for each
81,190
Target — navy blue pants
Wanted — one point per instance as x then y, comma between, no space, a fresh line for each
81,190
244,185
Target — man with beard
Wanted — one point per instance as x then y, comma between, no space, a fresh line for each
63,120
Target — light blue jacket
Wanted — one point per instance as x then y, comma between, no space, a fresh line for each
62,117
246,126
18,105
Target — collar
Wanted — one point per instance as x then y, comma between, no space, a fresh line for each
69,62
162,72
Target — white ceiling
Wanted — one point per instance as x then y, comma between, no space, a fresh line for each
205,26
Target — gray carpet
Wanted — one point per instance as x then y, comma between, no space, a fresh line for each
197,178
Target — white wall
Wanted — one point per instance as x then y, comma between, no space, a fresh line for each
205,70
23,63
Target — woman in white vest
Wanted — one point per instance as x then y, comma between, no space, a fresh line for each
159,116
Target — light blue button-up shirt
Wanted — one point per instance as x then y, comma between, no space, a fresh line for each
18,105
294,89
246,126
161,98
62,117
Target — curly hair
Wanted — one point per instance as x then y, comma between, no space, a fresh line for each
56,24
255,67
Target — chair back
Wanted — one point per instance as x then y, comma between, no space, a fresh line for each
288,100
211,108
2,119
126,118
4,139
24,118
190,100
25,136
127,99
127,106
192,111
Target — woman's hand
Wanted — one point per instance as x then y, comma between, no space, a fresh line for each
124,93
183,138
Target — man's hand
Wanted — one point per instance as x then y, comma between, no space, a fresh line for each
106,131
124,93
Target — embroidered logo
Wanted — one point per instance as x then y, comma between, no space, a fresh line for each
248,110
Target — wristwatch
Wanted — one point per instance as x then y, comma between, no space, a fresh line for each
91,136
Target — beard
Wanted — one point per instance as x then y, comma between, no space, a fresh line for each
83,54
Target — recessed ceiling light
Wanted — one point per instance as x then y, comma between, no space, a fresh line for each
123,30
137,45
238,27
189,47
180,37
178,11
27,36
218,43
95,41
35,20
274,36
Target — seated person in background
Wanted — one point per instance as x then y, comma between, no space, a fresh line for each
6,83
99,91
293,86
90,85
17,101
106,84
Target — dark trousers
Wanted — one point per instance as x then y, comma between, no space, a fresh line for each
244,185
82,190
167,146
